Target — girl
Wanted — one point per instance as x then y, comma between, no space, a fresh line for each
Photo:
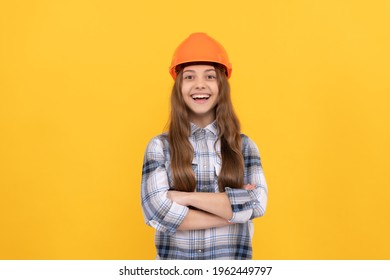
202,182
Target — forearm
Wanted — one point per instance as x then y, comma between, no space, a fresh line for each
214,203
196,219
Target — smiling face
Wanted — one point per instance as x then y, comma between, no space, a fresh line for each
200,93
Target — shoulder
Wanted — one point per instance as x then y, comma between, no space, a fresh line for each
161,138
246,141
158,143
244,137
248,145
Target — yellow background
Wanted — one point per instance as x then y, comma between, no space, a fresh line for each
84,85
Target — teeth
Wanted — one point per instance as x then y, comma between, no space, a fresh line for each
195,96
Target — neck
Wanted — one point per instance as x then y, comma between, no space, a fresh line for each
202,121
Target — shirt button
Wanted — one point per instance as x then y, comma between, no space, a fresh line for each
199,251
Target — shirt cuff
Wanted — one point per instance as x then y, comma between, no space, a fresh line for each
242,205
241,217
172,219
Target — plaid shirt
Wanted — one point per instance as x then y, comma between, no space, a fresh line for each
229,242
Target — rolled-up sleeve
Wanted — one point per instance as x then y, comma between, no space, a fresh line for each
249,204
159,212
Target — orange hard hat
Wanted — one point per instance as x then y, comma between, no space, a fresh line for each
199,47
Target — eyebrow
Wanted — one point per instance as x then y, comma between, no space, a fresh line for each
189,70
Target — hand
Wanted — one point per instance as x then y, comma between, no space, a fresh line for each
249,187
179,197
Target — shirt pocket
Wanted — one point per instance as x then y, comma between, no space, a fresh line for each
168,169
217,171
217,165
194,164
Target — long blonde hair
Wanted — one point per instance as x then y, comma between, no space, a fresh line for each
181,150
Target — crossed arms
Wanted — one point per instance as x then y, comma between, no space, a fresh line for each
215,209
169,211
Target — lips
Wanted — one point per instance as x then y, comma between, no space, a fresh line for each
200,97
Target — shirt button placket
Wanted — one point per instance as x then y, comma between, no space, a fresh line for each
205,158
204,161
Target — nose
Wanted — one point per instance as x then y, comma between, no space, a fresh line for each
200,84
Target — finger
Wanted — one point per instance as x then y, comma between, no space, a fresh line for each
247,187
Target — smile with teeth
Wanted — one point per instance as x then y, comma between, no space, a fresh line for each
200,96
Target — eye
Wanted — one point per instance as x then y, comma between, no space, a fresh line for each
188,77
211,77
